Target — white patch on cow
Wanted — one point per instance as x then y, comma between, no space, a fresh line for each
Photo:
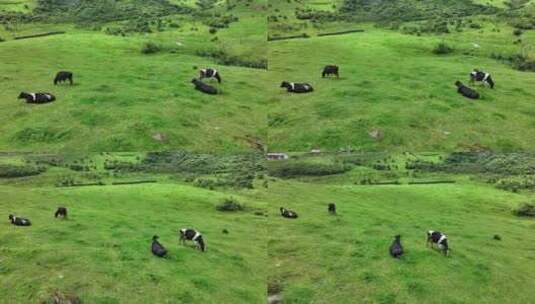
442,238
292,85
48,96
197,234
487,75
33,96
306,86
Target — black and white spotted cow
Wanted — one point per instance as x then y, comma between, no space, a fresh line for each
293,87
440,239
332,208
466,91
396,250
480,76
37,97
188,234
19,221
61,212
203,87
288,213
210,73
63,76
157,248
330,70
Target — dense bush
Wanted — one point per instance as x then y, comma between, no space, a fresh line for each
150,48
230,205
224,58
442,48
289,169
11,171
526,209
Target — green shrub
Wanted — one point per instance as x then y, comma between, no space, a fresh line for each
526,209
230,205
289,169
150,48
442,49
12,171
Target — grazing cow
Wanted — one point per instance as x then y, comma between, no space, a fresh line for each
62,211
332,208
439,238
203,87
293,87
396,250
157,248
330,70
480,76
210,73
37,97
19,221
63,76
466,91
188,234
288,213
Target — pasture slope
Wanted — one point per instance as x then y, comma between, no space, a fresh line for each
126,100
321,258
394,84
101,253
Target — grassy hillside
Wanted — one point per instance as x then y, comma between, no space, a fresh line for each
320,258
108,234
125,100
394,86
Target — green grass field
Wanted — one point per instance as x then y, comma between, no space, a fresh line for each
320,258
101,253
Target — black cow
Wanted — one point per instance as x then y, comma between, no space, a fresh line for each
466,91
396,250
19,221
288,213
330,70
439,238
37,97
63,76
210,73
297,87
62,211
480,76
203,87
157,248
332,208
188,234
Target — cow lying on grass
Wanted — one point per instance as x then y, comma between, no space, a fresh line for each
288,213
37,97
466,91
210,73
480,76
61,212
293,87
157,248
203,87
396,250
188,234
440,239
62,77
19,221
330,70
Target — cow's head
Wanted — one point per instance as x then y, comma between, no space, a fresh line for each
285,84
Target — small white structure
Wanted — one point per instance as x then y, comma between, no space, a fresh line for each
276,156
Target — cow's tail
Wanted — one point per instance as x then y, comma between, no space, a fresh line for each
490,82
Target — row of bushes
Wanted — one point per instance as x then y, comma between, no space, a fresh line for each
517,61
289,169
12,171
223,58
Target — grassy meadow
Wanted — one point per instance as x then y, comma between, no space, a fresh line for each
321,258
101,253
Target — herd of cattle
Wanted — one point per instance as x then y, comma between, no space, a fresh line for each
396,249
185,234
475,76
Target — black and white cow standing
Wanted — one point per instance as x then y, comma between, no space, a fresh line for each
19,221
294,87
330,70
157,248
37,97
188,234
288,213
63,76
440,239
210,73
396,250
480,76
466,91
